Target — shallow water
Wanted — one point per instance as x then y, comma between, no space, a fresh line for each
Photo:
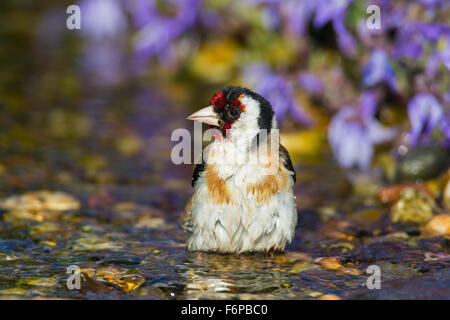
129,244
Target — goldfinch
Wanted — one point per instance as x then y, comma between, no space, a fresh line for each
240,205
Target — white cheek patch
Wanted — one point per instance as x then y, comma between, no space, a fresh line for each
248,119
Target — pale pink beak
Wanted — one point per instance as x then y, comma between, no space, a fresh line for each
205,115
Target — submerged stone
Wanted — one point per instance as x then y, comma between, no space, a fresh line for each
39,282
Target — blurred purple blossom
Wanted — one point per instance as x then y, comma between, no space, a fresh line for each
102,18
311,83
104,26
425,113
345,40
446,98
157,31
431,3
294,13
353,132
367,105
412,37
298,14
209,18
445,127
408,43
277,90
334,11
432,31
366,35
378,69
329,10
432,65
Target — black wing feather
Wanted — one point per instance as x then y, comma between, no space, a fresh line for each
198,169
286,160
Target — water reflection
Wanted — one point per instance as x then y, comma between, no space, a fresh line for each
216,276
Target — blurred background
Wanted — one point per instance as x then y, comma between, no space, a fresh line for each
137,68
86,118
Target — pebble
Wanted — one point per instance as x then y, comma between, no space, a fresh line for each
438,225
412,207
96,243
39,282
422,163
41,200
302,266
330,263
150,222
329,297
390,194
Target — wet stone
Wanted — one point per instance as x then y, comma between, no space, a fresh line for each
38,282
412,206
14,245
423,162
438,225
167,287
89,284
120,260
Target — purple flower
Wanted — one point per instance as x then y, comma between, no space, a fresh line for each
157,31
431,3
105,28
334,11
328,10
445,127
432,65
311,83
446,98
425,113
353,132
102,18
277,90
366,35
142,11
345,40
297,14
367,105
432,31
408,43
413,36
294,13
378,69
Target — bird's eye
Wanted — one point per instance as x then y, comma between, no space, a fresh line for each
233,113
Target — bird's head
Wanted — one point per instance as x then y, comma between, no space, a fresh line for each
239,111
